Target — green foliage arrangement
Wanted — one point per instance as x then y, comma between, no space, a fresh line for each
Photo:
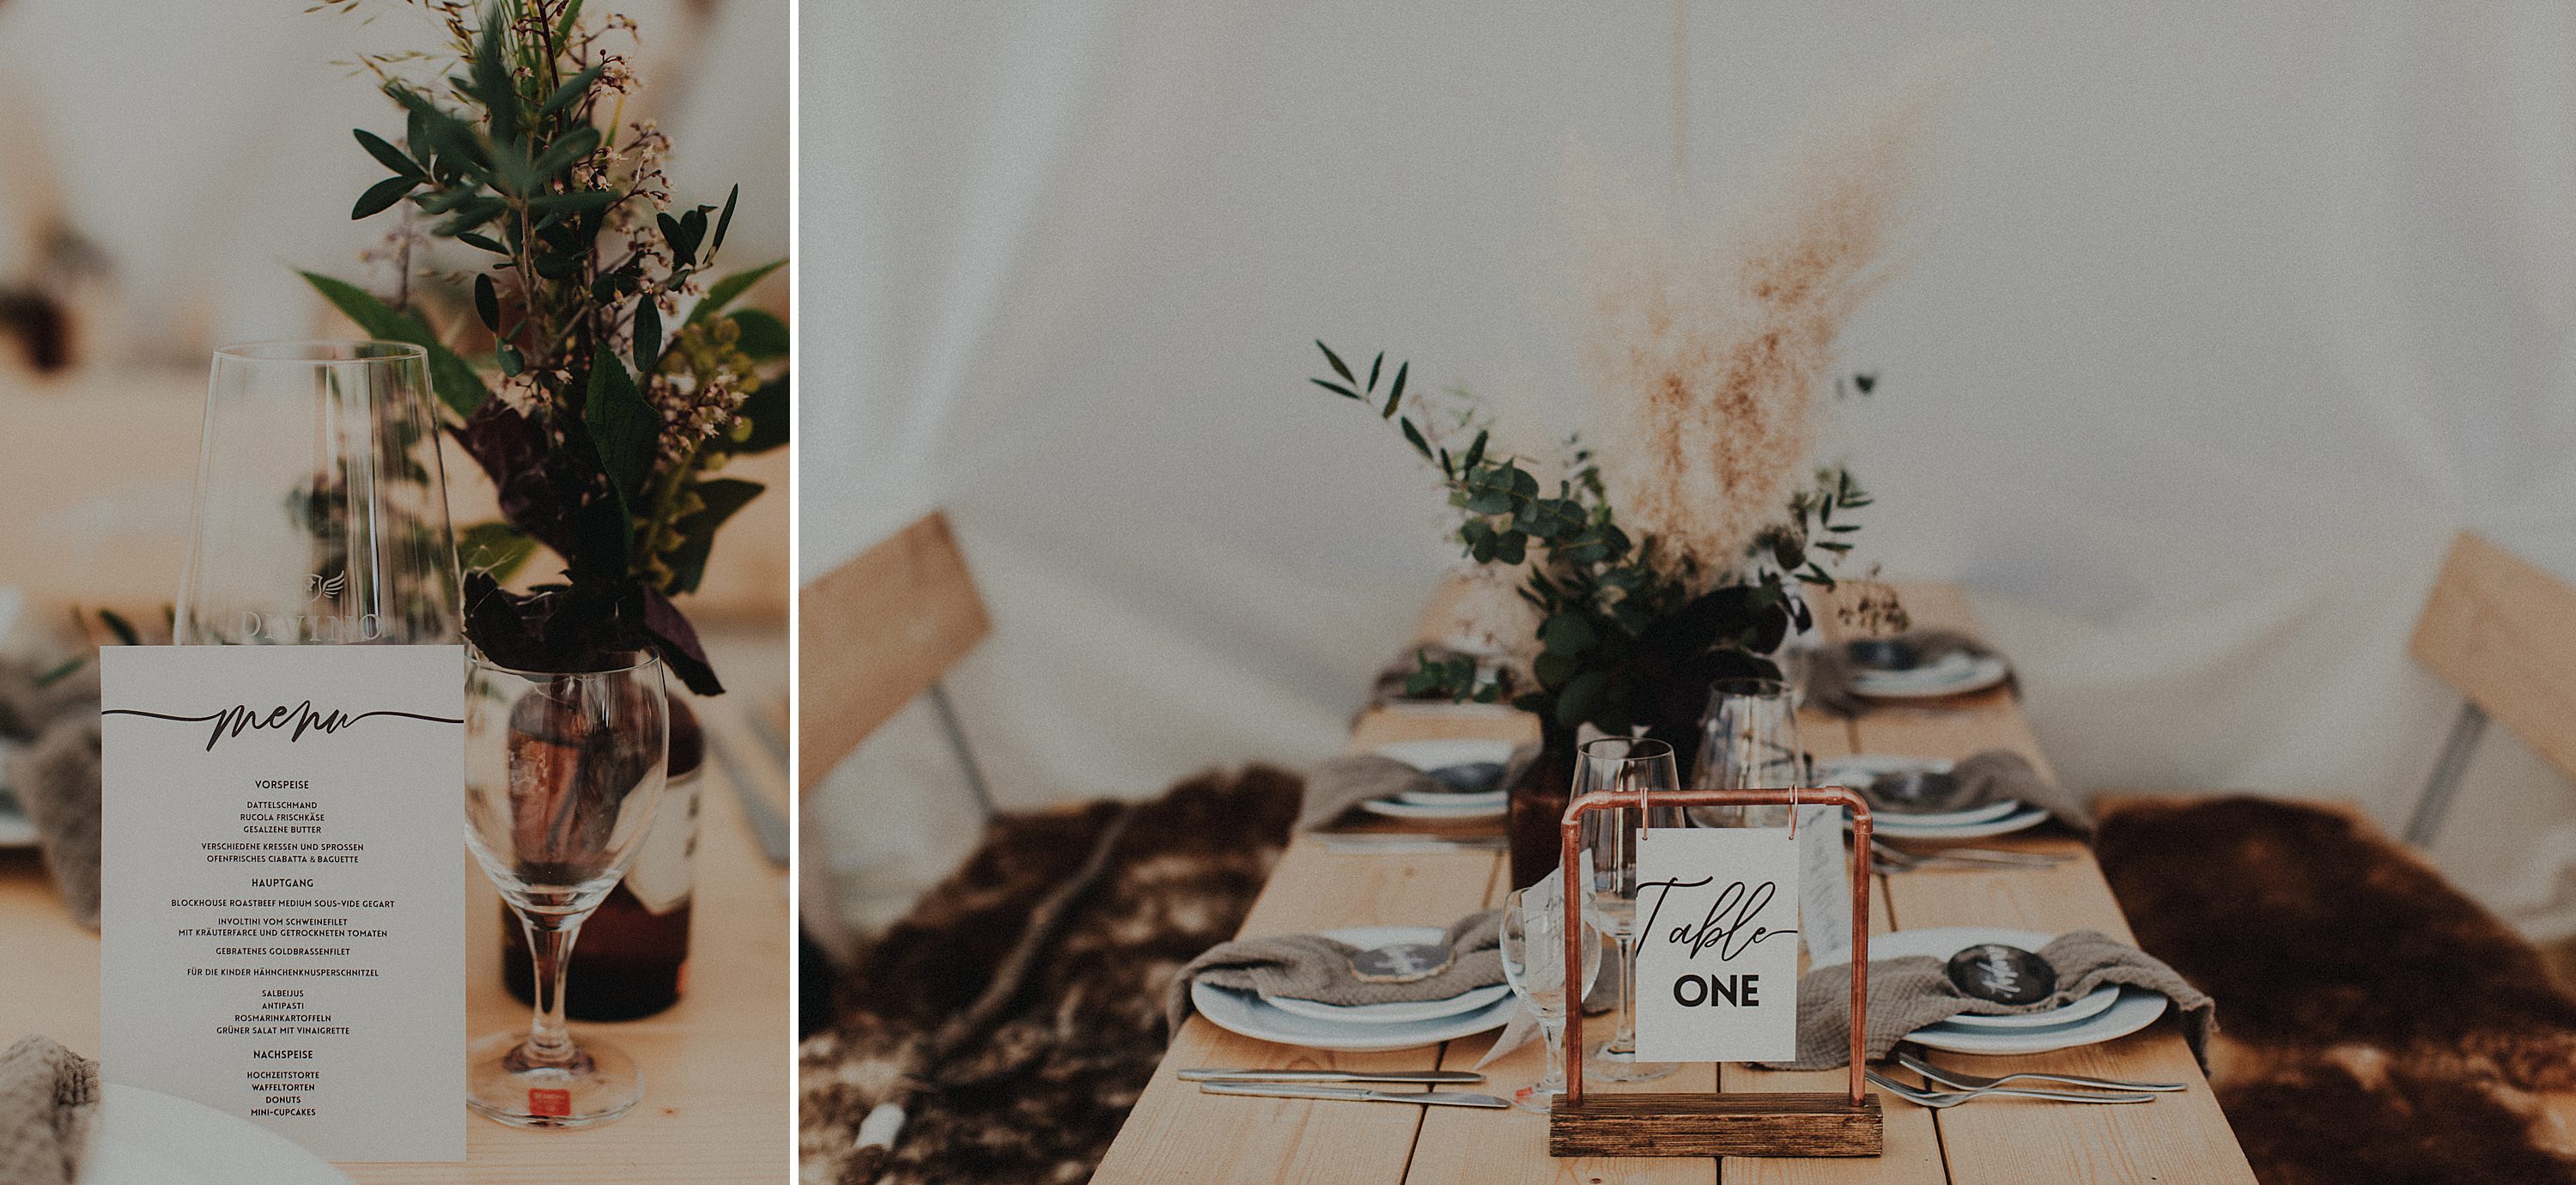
612,376
1628,633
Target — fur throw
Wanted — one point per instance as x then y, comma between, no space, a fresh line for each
1039,1095
2380,1026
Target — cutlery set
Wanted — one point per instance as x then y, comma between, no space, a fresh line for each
1954,1088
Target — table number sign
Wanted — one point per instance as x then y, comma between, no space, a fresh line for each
1717,955
283,913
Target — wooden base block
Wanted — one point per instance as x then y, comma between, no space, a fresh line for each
1715,1125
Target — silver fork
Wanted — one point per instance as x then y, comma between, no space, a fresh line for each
1891,858
1953,1078
1938,1100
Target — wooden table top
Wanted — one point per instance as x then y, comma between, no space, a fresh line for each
1179,1134
716,1097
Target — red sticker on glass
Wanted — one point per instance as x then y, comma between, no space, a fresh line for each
549,1102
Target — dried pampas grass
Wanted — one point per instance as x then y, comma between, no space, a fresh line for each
1708,346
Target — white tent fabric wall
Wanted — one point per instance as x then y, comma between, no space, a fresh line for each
2215,326
207,147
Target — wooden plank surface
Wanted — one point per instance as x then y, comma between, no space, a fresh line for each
1177,1134
2179,1137
716,1104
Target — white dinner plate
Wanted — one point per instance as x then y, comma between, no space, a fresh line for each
15,829
144,1137
1246,1013
1453,798
1398,1012
2135,1009
1952,674
1901,827
2094,1003
1397,808
1430,755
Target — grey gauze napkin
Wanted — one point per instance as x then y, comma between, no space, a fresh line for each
1830,669
1313,967
56,777
1996,775
1341,783
48,1094
1908,993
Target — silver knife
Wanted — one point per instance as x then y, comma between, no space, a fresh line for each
1437,1098
1413,1076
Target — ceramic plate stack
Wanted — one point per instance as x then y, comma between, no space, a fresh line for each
1357,1028
1955,673
1470,773
1977,822
2099,1016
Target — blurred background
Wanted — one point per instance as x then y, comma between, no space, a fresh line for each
2214,326
166,169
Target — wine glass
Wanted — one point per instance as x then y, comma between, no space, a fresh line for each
1633,767
562,774
1749,741
1533,931
321,510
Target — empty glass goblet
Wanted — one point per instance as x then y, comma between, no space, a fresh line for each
1533,929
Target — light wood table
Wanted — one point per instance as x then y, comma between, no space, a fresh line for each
716,1101
1179,1134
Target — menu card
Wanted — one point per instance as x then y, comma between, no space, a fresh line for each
1717,944
282,912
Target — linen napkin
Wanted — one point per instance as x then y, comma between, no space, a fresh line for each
48,1095
1313,967
1908,993
56,777
1997,775
1830,670
1337,785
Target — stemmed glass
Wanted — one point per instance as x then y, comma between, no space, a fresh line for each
321,508
1533,928
1638,768
1749,741
562,773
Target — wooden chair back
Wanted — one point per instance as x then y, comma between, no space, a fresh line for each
2503,633
876,632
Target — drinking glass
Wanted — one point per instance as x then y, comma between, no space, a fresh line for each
1749,741
321,510
1637,768
1534,962
562,773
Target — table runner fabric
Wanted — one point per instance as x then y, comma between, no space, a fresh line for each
56,777
48,1096
1313,967
1830,671
1997,775
1909,993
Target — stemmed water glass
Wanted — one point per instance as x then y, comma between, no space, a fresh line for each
321,507
562,774
1749,741
1533,931
1634,768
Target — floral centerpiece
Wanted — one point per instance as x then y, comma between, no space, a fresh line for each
1667,544
596,368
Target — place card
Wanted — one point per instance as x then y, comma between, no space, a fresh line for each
282,907
1717,944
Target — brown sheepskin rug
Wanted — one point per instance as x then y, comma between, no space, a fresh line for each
1029,1081
2376,1024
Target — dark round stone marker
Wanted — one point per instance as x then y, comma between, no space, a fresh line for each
1884,654
1916,792
2003,974
1475,777
1402,963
